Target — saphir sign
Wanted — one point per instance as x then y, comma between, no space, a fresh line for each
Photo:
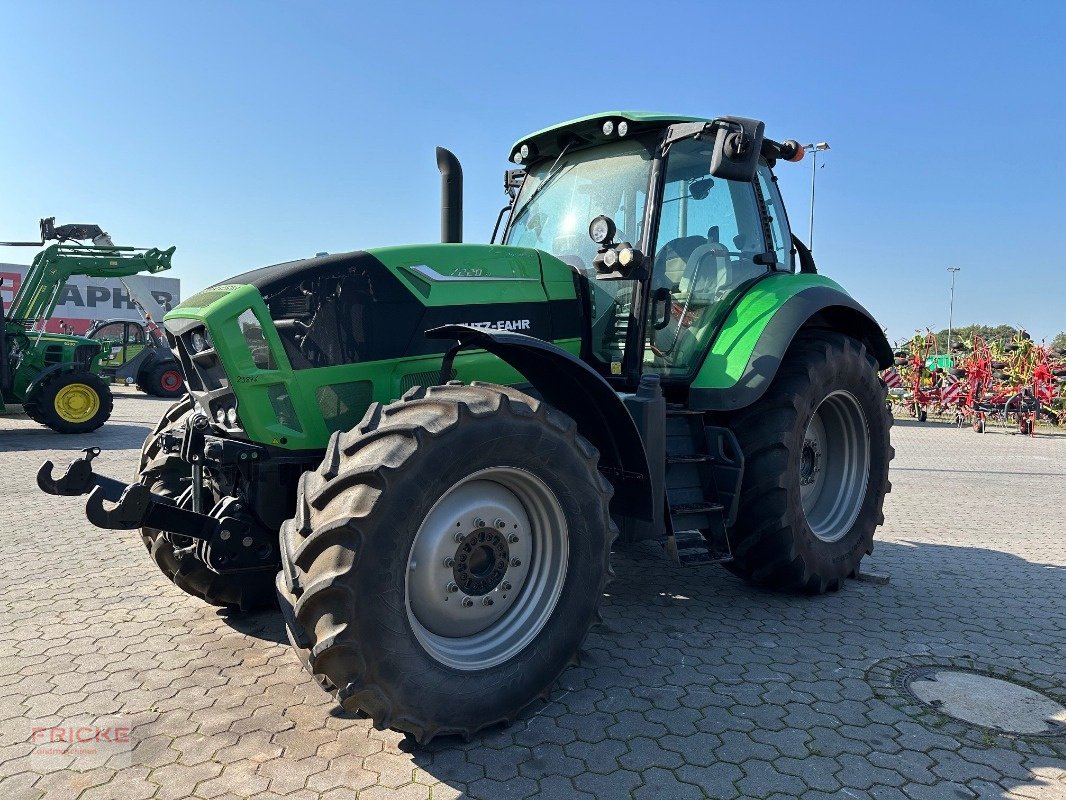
85,300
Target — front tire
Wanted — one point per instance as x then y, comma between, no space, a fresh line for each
166,474
73,402
447,558
817,451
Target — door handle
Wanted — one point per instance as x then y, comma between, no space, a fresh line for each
661,295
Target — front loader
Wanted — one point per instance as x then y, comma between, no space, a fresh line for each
429,450
56,377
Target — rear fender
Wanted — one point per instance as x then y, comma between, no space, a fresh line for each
746,355
573,387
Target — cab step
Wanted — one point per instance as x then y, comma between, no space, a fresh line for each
706,507
690,548
689,458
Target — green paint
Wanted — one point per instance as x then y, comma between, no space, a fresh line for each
299,410
732,350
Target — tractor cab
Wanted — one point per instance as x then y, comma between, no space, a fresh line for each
668,220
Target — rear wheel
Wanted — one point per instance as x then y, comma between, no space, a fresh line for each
447,558
166,474
72,402
164,380
817,450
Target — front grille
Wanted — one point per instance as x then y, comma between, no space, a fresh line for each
84,355
53,354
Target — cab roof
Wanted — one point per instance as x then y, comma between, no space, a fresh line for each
588,130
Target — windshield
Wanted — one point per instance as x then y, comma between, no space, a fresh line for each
553,212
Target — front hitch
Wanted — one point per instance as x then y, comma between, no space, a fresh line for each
223,541
135,506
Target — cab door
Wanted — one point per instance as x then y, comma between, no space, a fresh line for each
710,244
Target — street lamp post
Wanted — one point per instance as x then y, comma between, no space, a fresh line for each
813,149
951,305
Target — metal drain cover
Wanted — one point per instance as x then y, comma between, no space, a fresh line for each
990,702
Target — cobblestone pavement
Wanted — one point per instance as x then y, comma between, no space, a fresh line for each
696,686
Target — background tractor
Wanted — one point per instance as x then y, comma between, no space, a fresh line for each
56,377
429,450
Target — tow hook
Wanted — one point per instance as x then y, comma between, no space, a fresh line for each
224,542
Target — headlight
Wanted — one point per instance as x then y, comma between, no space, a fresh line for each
199,342
231,417
623,128
608,128
220,416
602,229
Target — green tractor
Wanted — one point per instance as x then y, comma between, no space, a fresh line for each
429,450
56,377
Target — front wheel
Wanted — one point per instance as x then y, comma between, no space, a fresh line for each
447,558
817,451
73,402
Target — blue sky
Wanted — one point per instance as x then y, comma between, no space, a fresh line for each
251,133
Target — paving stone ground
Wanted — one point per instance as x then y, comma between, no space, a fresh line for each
695,686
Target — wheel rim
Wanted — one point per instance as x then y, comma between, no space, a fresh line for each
834,466
486,568
77,402
171,380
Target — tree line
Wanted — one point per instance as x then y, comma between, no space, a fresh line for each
990,333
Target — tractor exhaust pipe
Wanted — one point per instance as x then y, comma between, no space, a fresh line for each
451,196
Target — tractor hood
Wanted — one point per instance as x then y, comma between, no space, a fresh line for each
64,339
285,337
438,274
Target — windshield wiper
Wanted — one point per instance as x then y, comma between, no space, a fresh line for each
549,178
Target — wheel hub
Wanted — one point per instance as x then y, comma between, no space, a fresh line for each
76,402
810,462
834,466
486,568
481,561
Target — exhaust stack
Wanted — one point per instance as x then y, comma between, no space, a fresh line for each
451,196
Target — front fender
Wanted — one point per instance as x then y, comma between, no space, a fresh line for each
573,387
746,355
39,379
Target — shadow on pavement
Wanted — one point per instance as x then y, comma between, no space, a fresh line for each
728,690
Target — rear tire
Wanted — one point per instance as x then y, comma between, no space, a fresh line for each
72,402
168,475
817,451
405,495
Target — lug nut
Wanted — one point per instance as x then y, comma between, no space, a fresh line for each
505,586
449,562
452,587
487,601
499,523
247,541
479,523
516,562
458,536
224,535
513,538
467,602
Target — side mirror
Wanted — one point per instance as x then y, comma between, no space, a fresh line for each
737,145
